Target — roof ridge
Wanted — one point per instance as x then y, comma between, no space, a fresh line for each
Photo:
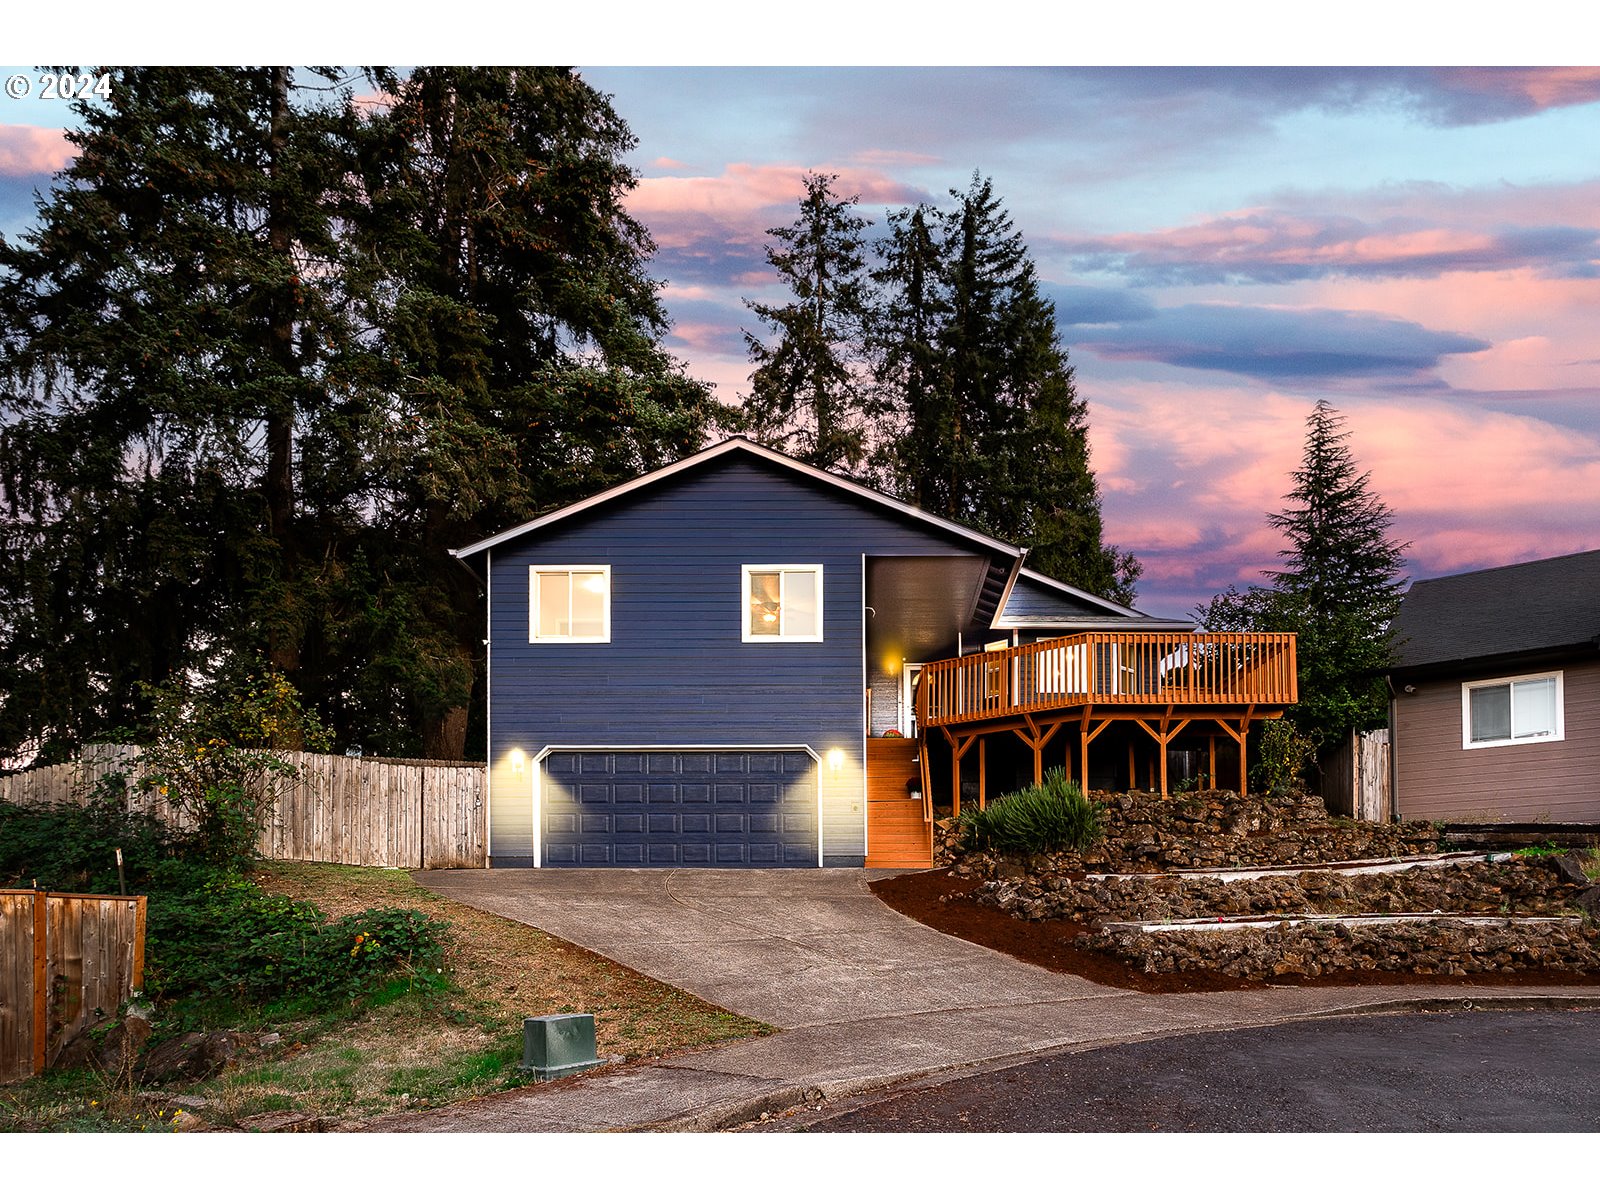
1532,562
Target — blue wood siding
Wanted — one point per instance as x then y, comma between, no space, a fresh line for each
1029,601
676,671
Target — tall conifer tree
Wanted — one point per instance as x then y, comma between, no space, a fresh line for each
1338,589
266,357
809,395
1000,440
161,344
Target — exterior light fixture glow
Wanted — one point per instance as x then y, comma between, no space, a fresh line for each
835,759
518,762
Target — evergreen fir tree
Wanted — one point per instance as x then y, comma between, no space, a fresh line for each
515,366
161,345
906,317
1338,590
1003,445
266,358
808,391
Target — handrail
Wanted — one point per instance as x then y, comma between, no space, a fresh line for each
1211,669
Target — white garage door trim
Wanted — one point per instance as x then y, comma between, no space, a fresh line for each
750,747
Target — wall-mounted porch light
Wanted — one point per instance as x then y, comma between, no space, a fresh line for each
835,759
519,762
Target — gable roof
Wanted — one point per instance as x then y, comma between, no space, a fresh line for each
1077,606
1039,602
738,445
1546,606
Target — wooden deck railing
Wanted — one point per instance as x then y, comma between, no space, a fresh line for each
1110,669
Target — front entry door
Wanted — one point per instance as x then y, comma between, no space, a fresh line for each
909,674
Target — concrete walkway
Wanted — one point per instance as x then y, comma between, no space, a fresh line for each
865,997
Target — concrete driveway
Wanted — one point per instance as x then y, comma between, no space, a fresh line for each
864,996
792,948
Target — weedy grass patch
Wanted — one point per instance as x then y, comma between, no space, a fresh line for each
409,1042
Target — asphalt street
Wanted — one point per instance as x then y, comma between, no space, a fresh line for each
1462,1071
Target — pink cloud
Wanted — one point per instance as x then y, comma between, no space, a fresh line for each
31,150
1198,469
1545,87
1542,329
1277,246
742,191
667,164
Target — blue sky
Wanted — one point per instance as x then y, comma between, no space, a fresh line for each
1419,246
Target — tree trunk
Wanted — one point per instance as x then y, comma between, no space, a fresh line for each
445,736
283,629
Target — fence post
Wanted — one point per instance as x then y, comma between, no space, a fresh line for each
41,990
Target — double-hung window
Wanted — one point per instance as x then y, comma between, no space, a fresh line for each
782,603
1505,712
569,604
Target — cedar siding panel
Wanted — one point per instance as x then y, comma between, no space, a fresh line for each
1438,780
676,670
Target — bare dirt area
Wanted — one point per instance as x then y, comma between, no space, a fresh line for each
946,902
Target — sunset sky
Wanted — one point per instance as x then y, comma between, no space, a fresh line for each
1421,247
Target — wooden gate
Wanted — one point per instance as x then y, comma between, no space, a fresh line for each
1355,777
66,961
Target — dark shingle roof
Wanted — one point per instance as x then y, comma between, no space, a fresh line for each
1550,604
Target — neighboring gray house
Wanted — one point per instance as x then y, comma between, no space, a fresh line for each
1495,709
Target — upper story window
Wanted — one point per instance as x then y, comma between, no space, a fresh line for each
783,603
1504,712
569,604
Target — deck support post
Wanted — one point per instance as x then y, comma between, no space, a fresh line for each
958,750
983,774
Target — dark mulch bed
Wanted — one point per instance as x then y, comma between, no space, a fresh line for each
944,902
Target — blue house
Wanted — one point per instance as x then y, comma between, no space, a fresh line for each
741,660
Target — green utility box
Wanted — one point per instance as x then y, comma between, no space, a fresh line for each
557,1045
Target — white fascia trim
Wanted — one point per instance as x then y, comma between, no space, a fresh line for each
1005,593
1559,734
1091,625
866,711
772,456
538,774
488,711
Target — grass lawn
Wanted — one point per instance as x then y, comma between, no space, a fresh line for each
403,1049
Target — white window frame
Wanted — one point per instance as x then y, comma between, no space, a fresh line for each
744,601
1467,689
533,602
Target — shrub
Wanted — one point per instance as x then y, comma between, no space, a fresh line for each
1049,816
229,943
215,942
74,849
1281,758
212,752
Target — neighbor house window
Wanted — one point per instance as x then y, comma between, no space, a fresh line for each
1503,712
782,604
569,604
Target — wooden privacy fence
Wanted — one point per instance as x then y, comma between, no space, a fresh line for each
1355,777
365,812
65,963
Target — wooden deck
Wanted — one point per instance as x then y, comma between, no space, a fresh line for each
1160,682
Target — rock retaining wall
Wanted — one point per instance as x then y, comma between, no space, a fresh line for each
1522,885
1216,829
1427,948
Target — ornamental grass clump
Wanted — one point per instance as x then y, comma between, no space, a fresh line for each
1045,818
